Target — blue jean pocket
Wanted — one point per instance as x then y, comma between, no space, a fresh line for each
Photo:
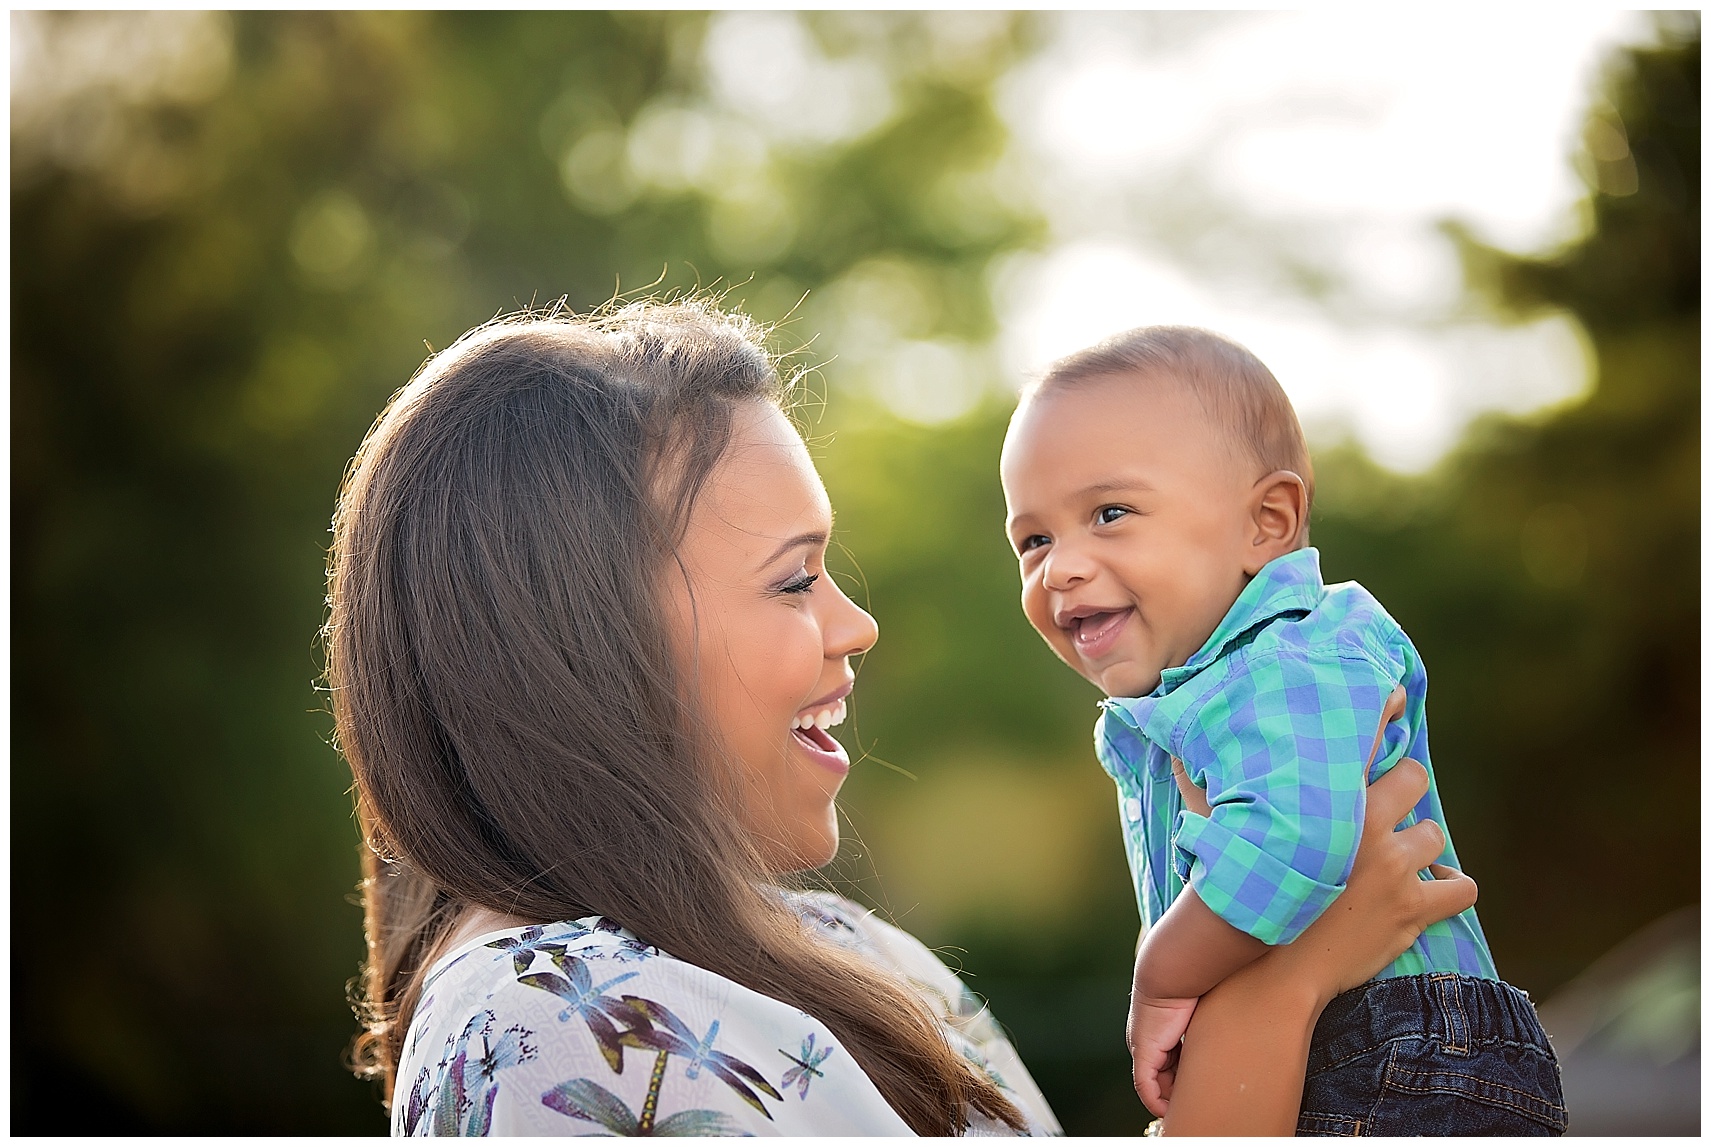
1324,1123
1499,1090
1413,1087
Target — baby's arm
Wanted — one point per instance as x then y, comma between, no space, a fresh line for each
1181,958
1192,949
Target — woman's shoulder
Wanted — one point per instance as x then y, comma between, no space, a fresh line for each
844,922
579,1027
968,1023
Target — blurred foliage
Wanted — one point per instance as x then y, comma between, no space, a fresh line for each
232,237
1549,571
217,279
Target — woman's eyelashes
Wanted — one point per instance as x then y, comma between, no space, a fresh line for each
802,582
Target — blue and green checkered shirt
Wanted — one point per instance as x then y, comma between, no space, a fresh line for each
1275,716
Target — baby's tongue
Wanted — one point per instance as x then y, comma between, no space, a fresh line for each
1094,625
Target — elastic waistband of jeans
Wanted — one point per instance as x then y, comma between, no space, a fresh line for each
1462,1013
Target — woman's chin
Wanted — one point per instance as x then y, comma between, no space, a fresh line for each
811,848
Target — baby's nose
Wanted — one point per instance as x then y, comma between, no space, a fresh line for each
1066,567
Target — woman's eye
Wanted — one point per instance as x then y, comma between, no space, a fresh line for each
1108,514
801,583
1032,542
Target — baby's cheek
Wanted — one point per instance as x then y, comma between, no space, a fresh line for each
1037,611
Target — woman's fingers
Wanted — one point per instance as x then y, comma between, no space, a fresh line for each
1452,892
1395,706
1421,843
1193,796
1389,798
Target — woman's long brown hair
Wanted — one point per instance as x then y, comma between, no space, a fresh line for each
507,696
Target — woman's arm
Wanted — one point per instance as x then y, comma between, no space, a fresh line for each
1245,1055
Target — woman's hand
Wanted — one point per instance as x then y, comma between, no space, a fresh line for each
1243,1060
1386,904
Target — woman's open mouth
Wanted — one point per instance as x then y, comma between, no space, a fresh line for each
809,729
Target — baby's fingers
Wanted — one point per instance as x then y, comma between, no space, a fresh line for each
1167,1078
1147,1087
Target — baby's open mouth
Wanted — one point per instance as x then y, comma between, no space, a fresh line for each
1094,634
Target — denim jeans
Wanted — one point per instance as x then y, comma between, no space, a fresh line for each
1438,1054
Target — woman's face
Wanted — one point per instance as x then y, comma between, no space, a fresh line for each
767,637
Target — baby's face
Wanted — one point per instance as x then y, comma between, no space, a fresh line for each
1131,519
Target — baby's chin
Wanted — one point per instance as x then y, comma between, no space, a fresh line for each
1126,680
1122,679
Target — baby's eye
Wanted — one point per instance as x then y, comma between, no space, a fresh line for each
1032,542
1108,514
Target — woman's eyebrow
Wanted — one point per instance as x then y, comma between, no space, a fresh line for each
815,538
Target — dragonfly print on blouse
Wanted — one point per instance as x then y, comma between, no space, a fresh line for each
676,1038
657,1028
629,948
461,1102
588,1000
523,947
587,1100
807,1068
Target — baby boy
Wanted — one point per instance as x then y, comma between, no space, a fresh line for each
1158,488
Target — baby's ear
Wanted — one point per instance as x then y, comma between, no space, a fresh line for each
1278,506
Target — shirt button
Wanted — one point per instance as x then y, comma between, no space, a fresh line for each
1132,809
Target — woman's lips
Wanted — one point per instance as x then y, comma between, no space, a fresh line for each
1096,634
823,749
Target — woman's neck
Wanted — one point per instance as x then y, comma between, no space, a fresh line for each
476,921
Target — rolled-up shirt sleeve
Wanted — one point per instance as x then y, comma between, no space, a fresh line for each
1282,748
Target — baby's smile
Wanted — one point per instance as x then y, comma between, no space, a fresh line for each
1094,630
1133,524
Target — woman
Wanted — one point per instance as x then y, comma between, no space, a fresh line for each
583,658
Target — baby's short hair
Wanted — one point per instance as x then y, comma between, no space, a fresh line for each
1236,390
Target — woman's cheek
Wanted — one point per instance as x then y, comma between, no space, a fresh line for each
784,659
801,653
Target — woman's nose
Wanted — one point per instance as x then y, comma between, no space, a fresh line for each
851,629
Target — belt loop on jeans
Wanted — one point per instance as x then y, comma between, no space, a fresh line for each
1453,1007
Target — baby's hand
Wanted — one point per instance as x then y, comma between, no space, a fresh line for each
1155,1037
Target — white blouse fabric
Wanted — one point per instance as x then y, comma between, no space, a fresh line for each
579,1028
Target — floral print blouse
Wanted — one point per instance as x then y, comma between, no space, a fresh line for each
579,1028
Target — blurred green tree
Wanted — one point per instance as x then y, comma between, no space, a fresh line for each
232,236
220,274
1549,571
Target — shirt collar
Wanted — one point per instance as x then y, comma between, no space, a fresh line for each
1289,584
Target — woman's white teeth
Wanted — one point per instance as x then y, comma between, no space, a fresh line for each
824,719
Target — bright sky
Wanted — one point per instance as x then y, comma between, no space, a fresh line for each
1189,161
1276,176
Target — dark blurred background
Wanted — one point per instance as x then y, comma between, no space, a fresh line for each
234,236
